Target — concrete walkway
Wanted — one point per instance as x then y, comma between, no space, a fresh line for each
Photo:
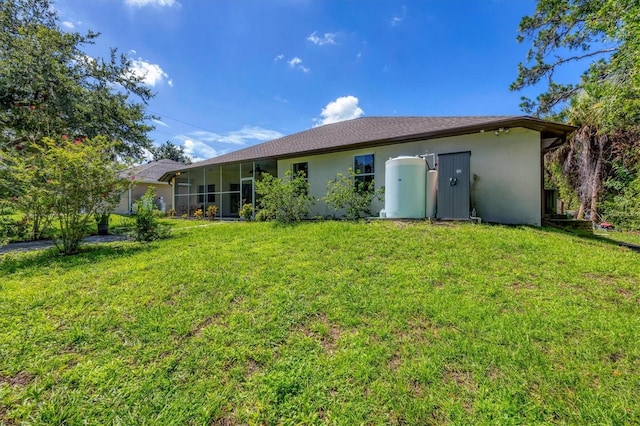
45,244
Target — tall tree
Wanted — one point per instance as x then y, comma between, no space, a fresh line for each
49,86
170,151
604,104
51,90
603,34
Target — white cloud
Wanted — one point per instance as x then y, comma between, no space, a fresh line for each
141,3
197,150
328,38
296,63
252,133
278,58
160,122
343,108
68,24
397,19
198,144
147,155
150,74
238,137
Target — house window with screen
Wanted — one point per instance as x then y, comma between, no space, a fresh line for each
363,168
301,167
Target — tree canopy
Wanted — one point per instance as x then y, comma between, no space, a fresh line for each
601,158
603,34
170,151
49,86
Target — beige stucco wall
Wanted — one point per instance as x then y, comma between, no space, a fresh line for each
163,190
507,170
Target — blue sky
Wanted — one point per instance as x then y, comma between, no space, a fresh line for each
232,73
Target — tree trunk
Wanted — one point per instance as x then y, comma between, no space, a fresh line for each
596,180
581,209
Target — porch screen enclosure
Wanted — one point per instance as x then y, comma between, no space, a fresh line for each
228,186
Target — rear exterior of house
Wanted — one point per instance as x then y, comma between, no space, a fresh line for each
490,165
143,177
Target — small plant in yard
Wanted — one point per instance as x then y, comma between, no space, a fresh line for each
184,216
285,200
246,212
212,211
147,226
198,214
349,193
171,213
262,216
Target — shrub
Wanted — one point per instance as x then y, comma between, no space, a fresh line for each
147,226
623,210
263,216
198,214
212,211
347,192
246,212
285,200
66,181
5,221
14,230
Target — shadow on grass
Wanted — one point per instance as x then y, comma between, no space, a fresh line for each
591,237
88,254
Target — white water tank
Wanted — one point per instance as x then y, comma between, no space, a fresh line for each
405,187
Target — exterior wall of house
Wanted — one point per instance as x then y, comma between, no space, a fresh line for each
505,172
137,191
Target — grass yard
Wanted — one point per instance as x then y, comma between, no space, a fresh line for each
330,322
625,237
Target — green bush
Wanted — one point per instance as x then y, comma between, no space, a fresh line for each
65,181
246,212
349,193
147,226
623,210
212,211
285,200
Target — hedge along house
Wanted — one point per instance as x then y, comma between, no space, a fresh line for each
499,160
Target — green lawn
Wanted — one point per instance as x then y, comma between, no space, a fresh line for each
330,322
625,237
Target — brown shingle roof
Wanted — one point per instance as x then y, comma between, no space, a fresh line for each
370,131
153,170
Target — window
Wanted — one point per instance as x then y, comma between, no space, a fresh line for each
301,167
211,197
200,193
363,167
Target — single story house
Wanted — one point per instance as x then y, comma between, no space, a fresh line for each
144,176
495,162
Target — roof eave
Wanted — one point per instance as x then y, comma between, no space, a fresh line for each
546,128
